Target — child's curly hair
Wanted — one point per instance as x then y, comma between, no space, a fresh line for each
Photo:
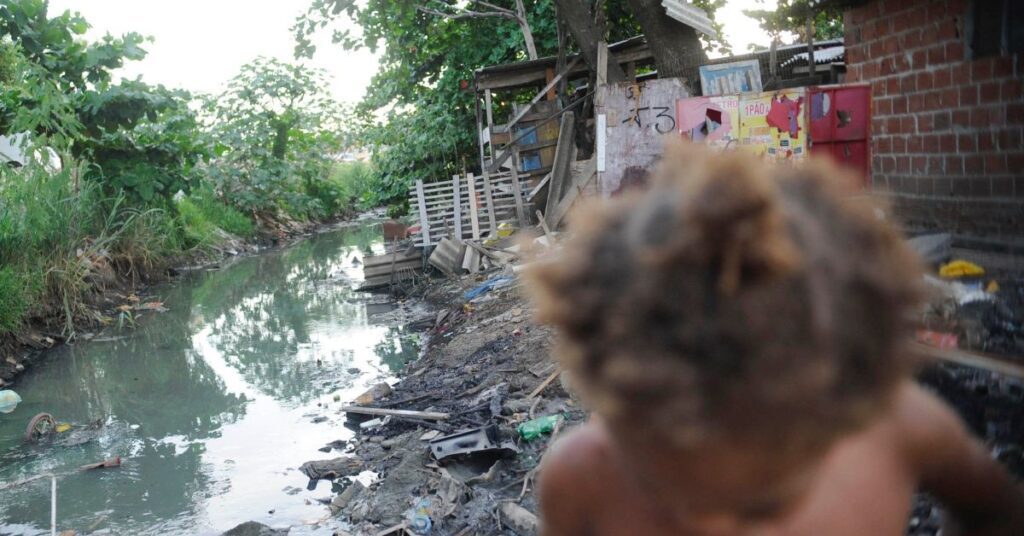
733,300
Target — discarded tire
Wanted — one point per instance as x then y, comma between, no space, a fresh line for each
40,426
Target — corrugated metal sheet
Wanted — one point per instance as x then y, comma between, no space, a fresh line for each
823,55
690,15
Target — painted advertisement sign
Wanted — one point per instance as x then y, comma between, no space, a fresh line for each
729,78
773,124
714,121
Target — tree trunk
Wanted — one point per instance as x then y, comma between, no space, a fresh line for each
580,20
524,25
676,47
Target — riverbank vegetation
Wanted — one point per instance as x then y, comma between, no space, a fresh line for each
120,178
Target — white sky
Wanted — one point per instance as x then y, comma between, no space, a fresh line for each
200,44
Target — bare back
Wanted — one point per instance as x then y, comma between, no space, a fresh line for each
864,485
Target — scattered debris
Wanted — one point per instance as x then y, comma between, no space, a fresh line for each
480,440
522,520
110,462
375,393
252,528
330,469
531,430
8,401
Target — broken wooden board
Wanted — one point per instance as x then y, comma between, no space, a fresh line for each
427,415
448,256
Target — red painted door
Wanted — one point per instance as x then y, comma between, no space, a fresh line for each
840,117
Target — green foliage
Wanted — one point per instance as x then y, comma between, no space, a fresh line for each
791,16
357,185
276,128
202,214
15,298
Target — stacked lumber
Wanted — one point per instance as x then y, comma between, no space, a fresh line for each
383,270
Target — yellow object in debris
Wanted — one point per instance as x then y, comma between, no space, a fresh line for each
960,268
992,287
62,427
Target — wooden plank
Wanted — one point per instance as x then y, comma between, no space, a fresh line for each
488,107
428,415
564,152
517,191
574,191
474,216
544,384
490,204
602,63
457,195
400,256
551,84
424,222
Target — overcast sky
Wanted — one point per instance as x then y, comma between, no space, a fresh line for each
200,44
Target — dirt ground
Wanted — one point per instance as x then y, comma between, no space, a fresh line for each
482,362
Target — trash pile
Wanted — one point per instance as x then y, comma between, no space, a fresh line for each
456,444
968,308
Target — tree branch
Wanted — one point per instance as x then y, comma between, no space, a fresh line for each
466,14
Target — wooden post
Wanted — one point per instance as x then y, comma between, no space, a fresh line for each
518,191
490,204
631,72
474,216
424,222
810,43
489,108
479,128
602,63
457,200
549,74
601,123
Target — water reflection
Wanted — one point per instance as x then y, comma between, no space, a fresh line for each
210,403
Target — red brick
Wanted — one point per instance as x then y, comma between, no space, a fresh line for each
878,88
979,118
890,45
1010,139
912,40
954,165
908,125
968,95
854,53
941,78
920,164
901,22
947,143
899,145
950,98
988,93
914,144
924,81
892,86
899,105
1015,112
908,83
919,59
995,163
878,125
915,103
1011,90
936,11
967,143
867,33
883,145
1015,162
974,164
933,100
961,73
947,30
957,7
875,49
935,165
986,141
903,164
1002,67
981,70
955,51
937,54
852,17
962,118
883,106
931,143
853,73
892,125
888,164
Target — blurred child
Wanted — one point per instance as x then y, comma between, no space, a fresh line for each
738,330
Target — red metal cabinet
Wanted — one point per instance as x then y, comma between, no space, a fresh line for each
840,117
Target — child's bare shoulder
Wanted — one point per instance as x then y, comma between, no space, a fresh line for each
577,454
573,474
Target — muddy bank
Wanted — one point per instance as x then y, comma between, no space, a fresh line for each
488,368
120,297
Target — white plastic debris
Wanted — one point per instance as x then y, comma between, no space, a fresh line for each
8,401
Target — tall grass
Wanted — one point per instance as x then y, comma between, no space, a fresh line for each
61,240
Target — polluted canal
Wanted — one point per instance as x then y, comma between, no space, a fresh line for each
213,404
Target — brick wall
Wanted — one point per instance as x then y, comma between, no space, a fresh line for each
947,130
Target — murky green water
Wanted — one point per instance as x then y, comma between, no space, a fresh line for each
210,404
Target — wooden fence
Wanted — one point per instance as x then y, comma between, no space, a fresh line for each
469,207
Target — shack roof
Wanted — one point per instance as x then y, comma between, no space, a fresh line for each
534,72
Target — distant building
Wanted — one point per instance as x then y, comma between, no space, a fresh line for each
948,109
